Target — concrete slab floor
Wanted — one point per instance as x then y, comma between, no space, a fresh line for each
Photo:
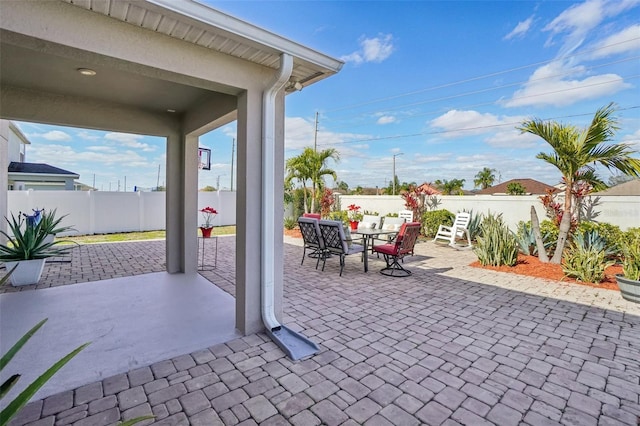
130,322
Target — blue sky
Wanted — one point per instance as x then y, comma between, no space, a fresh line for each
441,84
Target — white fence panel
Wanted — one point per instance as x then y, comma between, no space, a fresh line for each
96,212
623,211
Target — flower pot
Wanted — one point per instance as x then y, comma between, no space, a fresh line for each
206,232
28,271
354,225
629,289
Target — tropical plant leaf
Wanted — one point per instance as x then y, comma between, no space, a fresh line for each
20,401
8,384
136,420
20,343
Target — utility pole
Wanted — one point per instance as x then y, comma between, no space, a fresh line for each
394,171
125,184
94,181
233,149
315,135
158,180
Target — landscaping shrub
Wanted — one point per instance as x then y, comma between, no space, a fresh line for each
550,229
433,219
611,234
631,254
290,223
585,263
496,244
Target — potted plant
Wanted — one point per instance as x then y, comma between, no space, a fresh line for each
629,281
28,247
354,216
208,213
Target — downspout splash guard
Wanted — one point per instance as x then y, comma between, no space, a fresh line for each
294,344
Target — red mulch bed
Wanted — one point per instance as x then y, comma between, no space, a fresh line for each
295,233
531,266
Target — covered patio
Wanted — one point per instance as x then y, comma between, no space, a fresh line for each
451,344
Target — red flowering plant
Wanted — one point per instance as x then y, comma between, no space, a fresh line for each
208,213
354,213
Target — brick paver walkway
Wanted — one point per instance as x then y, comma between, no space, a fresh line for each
449,345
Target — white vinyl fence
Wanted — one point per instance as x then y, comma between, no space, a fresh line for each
97,212
621,210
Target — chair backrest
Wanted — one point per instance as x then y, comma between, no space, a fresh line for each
392,223
406,214
370,222
332,232
310,232
462,220
312,215
407,237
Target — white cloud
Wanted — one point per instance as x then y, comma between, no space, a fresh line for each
626,40
521,29
473,123
633,139
577,21
299,134
375,49
87,136
548,86
66,156
56,135
386,119
129,140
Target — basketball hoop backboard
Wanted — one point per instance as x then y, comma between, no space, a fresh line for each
204,159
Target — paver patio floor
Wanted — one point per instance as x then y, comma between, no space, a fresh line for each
449,345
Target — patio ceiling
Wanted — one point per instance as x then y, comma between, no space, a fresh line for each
46,66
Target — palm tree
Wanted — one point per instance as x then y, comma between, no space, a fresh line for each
575,154
298,169
319,170
450,187
311,166
485,178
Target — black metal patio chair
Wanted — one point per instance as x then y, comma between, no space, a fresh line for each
312,239
395,251
335,241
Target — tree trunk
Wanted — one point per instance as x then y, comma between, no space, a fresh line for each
535,226
565,226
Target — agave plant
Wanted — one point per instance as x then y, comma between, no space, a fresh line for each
28,240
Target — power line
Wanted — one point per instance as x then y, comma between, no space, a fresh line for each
481,77
466,129
475,92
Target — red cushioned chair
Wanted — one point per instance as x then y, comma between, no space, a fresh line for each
394,251
312,215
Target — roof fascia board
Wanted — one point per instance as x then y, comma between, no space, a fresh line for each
19,133
202,15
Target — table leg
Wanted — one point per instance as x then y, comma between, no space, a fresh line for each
365,254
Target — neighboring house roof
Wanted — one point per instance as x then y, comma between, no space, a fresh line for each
532,186
429,189
39,168
628,188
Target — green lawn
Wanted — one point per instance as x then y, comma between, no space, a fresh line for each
138,236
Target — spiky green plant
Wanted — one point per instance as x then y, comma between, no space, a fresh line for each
496,244
631,257
290,223
28,241
585,263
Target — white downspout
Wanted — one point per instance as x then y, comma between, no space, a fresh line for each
267,246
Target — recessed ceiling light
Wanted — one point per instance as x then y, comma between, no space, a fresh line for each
86,71
171,110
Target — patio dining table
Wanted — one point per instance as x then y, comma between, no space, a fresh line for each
369,235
